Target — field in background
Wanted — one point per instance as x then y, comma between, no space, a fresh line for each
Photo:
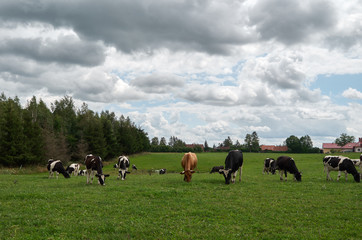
165,207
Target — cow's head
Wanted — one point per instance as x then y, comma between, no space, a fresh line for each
123,173
298,176
357,177
188,175
227,175
102,178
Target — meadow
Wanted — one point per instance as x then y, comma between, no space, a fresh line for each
152,206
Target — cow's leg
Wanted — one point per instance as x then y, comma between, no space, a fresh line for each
91,176
285,172
50,174
281,175
339,175
328,175
57,173
88,175
119,174
345,173
234,176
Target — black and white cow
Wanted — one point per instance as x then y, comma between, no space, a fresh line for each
122,165
57,167
94,164
82,172
358,164
73,168
162,171
286,164
269,166
216,169
340,164
233,163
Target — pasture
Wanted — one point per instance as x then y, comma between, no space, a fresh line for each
152,206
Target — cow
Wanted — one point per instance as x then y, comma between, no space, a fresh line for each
56,166
340,164
233,163
94,164
73,168
122,165
358,163
189,163
287,164
269,166
162,171
216,169
82,172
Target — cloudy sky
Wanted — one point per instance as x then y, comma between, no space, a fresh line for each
198,70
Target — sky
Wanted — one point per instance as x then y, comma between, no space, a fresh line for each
201,70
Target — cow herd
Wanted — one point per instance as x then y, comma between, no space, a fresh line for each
233,163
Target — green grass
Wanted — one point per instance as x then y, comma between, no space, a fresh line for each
165,207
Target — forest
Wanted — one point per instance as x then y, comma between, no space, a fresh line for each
35,133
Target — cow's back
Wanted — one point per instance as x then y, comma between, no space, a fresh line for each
286,163
234,160
189,161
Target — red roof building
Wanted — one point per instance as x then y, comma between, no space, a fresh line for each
274,148
349,147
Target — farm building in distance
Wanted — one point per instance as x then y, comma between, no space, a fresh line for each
349,147
274,148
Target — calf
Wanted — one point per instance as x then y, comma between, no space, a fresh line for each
340,164
73,168
122,165
94,164
269,166
216,169
189,163
286,164
56,166
233,163
82,172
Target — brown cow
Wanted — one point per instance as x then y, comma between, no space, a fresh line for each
189,162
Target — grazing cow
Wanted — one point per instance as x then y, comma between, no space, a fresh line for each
358,163
94,164
286,164
82,172
122,165
56,166
162,171
74,167
340,164
189,162
216,169
233,163
134,167
269,166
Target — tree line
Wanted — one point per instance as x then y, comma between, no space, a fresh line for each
35,133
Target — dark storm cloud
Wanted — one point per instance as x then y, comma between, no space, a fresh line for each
64,50
158,83
292,22
129,25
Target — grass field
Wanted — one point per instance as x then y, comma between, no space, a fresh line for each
156,206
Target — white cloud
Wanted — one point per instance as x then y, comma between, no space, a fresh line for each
352,94
198,70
